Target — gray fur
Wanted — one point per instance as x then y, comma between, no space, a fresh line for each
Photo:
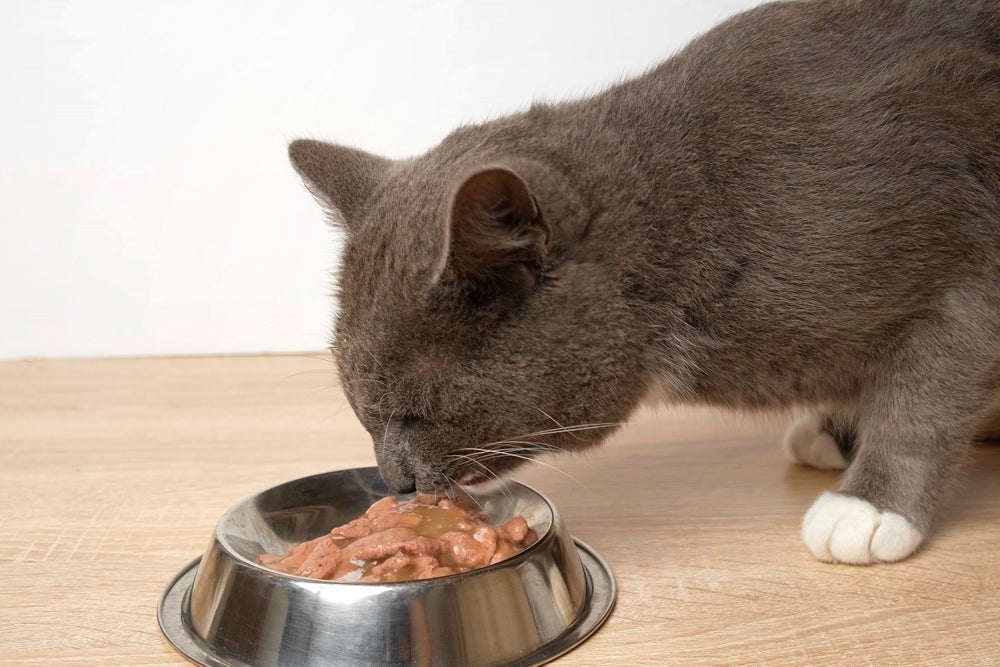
800,208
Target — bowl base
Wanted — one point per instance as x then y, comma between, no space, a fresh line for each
602,592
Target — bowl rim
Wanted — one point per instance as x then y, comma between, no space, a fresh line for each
512,561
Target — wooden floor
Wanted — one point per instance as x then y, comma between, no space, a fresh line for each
114,473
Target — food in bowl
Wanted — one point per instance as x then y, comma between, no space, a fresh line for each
395,540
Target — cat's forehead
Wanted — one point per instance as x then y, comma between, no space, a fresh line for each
394,252
390,257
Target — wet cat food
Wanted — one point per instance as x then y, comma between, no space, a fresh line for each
404,541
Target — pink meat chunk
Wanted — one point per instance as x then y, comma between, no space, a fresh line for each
409,540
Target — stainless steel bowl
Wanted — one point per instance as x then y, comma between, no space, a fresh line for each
225,609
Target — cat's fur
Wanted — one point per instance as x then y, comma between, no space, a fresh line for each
801,208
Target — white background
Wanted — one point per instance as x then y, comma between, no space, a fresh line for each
146,204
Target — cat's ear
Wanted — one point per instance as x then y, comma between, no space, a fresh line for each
340,177
496,236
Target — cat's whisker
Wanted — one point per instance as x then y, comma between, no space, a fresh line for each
362,379
378,404
573,429
308,371
385,434
556,431
471,459
312,357
465,457
478,462
527,445
539,445
324,387
550,417
453,491
494,453
529,448
546,464
486,470
491,474
364,348
480,454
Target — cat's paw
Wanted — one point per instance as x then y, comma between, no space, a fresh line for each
807,443
844,529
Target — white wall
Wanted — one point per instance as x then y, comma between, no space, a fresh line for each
146,205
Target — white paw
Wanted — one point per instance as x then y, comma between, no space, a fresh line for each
806,443
842,529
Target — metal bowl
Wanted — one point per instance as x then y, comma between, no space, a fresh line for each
225,609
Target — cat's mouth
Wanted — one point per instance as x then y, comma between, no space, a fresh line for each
478,483
472,479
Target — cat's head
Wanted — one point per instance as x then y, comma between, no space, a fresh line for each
478,324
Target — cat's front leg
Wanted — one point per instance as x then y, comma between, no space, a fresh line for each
911,429
839,527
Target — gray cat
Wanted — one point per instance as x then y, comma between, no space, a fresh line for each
801,208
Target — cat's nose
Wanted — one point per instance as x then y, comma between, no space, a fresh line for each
397,475
395,460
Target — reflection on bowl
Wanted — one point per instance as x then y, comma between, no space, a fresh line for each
228,610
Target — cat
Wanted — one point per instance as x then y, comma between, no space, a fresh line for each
800,209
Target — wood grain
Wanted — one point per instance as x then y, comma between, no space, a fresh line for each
115,471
